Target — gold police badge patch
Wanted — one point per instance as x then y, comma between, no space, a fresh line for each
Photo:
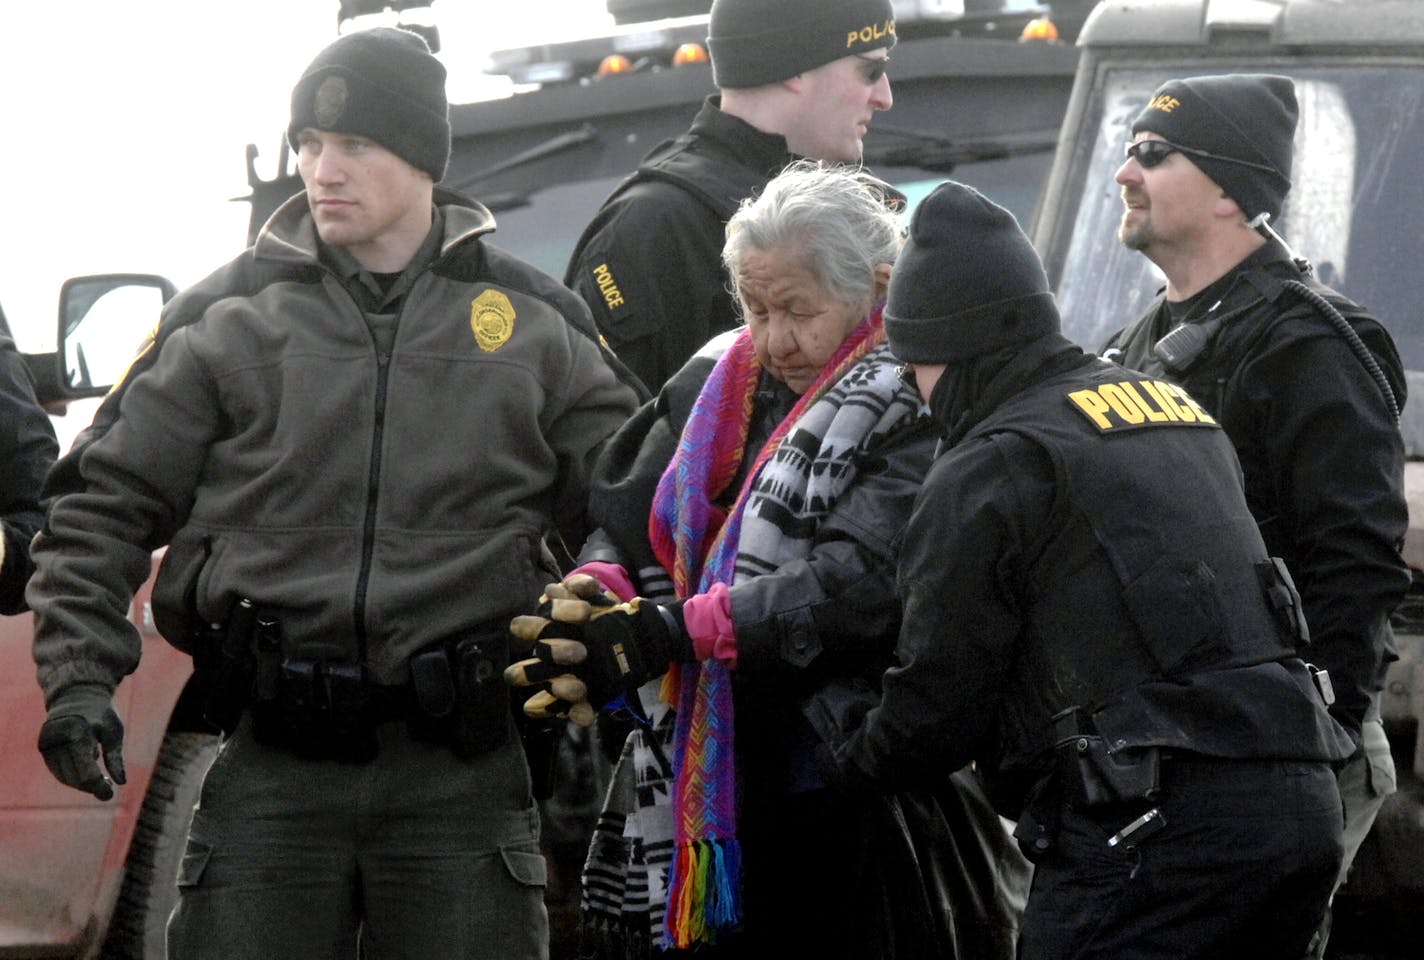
492,320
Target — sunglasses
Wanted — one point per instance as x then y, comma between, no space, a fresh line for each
1150,153
878,66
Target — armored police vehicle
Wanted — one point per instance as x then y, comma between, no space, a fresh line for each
972,100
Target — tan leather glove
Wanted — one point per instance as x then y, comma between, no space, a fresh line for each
616,647
552,640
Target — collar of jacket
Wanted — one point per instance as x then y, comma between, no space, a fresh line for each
1262,273
1268,269
979,386
754,148
289,235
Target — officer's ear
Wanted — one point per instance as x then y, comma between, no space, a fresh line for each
1227,208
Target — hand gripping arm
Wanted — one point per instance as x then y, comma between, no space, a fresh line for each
593,647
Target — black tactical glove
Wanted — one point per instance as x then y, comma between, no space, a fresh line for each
611,648
81,727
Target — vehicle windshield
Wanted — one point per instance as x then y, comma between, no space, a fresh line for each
543,226
1355,210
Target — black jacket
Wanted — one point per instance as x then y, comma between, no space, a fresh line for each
649,265
1322,456
27,450
1056,559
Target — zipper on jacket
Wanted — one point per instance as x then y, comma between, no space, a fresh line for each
368,534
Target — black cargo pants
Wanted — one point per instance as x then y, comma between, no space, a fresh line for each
1242,869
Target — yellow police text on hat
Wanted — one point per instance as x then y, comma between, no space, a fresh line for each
1165,102
870,33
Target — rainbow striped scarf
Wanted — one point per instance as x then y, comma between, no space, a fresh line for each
697,541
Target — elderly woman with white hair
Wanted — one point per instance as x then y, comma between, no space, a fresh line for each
749,518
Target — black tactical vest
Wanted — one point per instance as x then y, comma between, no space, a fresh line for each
1149,595
717,184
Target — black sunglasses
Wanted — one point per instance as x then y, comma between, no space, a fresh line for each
1150,153
877,69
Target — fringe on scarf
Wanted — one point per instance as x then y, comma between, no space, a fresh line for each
706,877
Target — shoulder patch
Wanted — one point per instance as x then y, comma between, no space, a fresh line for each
1135,404
608,287
492,320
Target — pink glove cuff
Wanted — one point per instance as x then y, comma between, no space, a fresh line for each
612,576
708,617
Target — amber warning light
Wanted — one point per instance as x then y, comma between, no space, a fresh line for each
1039,28
614,63
689,53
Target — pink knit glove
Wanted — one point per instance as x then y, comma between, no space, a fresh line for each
708,617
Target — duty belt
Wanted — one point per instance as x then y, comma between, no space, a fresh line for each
327,709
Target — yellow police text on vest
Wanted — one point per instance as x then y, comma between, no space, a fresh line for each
1133,404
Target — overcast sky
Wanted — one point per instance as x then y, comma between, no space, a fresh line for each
124,126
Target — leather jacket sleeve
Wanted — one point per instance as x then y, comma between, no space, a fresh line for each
839,601
627,473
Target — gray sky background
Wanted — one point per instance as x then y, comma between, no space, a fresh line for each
124,126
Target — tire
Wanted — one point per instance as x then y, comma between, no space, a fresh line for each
138,928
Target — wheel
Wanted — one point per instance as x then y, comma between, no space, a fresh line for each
137,929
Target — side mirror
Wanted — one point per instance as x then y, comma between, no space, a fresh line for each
102,321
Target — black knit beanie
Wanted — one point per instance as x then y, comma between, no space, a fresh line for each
1246,119
967,282
756,42
384,84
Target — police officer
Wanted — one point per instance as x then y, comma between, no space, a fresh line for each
797,78
1091,615
1307,384
27,450
355,439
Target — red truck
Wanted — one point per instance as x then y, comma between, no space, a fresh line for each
69,862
